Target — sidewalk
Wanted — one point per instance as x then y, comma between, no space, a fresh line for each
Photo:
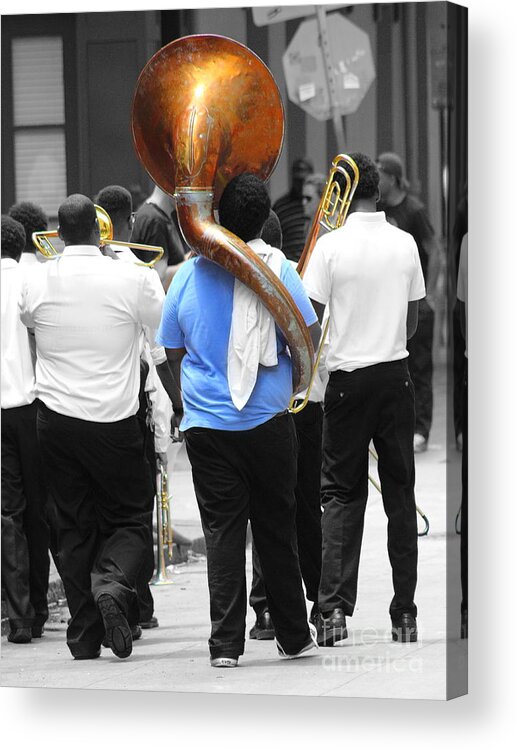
175,655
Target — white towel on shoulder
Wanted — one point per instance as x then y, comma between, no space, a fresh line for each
252,339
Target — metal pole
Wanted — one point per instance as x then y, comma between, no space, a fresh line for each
331,80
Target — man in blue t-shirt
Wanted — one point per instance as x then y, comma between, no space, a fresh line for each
242,448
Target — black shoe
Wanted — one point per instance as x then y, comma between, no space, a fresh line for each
464,633
136,634
37,631
118,632
263,629
152,622
91,655
331,627
20,635
403,628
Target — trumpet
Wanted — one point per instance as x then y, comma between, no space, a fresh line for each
42,240
331,214
164,529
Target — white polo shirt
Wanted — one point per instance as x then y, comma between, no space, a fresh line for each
367,271
18,381
87,311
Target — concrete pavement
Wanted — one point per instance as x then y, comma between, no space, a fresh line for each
175,656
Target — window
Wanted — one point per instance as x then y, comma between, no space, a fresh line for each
39,121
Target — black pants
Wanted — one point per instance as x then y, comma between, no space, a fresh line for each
100,485
309,424
145,601
465,498
243,475
369,403
420,349
25,536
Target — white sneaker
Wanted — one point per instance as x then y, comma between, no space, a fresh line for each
223,661
307,650
419,443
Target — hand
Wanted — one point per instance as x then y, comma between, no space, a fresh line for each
161,460
176,435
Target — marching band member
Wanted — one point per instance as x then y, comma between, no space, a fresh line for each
369,273
155,412
25,560
240,439
86,311
308,424
33,219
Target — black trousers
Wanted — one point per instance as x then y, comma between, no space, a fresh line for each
25,534
369,403
100,485
243,475
145,601
420,349
309,425
464,554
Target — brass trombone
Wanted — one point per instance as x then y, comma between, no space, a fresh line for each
331,214
41,240
162,576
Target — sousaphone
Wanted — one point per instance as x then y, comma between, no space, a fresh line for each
206,109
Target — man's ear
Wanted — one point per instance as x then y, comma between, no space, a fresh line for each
59,233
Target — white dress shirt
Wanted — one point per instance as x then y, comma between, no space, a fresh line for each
87,311
18,381
367,271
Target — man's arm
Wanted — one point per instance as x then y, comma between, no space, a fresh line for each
412,319
174,359
319,308
170,384
435,267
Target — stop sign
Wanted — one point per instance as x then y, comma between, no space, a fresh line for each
305,68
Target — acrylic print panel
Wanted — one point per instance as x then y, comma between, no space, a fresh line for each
398,85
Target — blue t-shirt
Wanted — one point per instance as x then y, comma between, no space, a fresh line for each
197,316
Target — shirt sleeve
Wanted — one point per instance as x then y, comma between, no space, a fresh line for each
157,352
417,284
317,279
23,305
294,284
151,298
462,270
169,333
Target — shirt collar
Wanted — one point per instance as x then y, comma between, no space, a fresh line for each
75,250
9,263
366,217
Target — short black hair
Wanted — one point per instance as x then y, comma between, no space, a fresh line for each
13,238
116,200
272,231
76,216
368,185
32,218
244,206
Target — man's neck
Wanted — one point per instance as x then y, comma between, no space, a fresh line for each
366,205
162,200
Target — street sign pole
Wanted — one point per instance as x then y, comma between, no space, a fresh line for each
331,79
